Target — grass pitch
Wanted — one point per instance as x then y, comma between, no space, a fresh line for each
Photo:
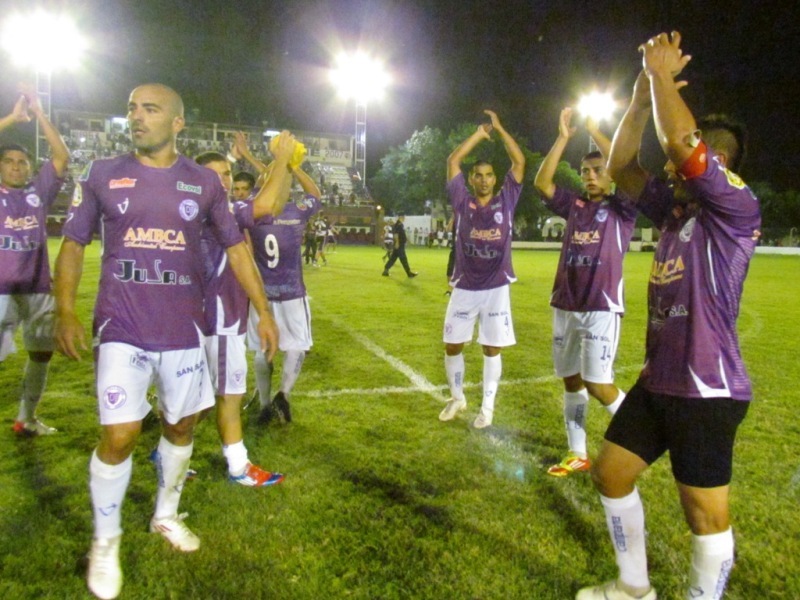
381,500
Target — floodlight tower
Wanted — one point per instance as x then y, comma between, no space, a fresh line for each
43,42
361,78
599,106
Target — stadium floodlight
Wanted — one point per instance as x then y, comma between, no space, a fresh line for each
361,78
599,106
43,42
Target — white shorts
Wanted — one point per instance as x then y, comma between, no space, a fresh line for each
585,343
227,363
36,313
125,372
492,309
293,318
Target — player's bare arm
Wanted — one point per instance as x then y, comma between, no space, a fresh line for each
60,156
272,196
244,268
547,170
464,148
69,333
662,57
512,148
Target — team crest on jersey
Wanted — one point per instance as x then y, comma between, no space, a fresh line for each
302,204
33,200
686,232
734,179
188,209
498,218
125,182
602,215
114,397
77,195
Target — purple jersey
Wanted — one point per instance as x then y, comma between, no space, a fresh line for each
696,283
226,302
483,235
24,266
151,222
277,244
589,275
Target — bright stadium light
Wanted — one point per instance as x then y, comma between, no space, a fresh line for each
361,78
43,42
599,106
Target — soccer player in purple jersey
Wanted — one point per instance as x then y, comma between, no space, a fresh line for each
483,271
587,296
24,267
278,248
226,311
150,207
693,391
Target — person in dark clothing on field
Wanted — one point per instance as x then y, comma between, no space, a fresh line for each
399,251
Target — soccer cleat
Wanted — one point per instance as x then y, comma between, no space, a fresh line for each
483,420
174,530
282,410
104,576
570,465
385,273
254,476
32,428
412,275
453,406
610,591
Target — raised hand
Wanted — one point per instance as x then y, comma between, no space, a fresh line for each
662,54
565,129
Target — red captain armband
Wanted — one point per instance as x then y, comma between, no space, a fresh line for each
696,164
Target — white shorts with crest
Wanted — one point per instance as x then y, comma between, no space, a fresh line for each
227,362
125,372
585,343
293,318
492,310
35,312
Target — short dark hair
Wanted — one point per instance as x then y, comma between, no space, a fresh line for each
480,163
592,155
724,134
11,147
209,157
245,176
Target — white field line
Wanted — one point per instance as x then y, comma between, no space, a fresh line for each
418,381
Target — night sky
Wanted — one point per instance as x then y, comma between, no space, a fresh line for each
260,62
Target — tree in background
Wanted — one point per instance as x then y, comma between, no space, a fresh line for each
415,172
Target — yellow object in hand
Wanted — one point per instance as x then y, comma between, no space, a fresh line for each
298,156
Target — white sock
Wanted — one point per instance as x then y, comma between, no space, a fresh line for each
236,454
712,561
575,406
614,406
33,382
107,487
292,364
625,520
492,370
454,367
263,373
171,464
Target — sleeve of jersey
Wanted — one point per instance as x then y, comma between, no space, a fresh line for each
721,191
561,202
48,183
222,221
83,215
511,191
457,190
243,213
